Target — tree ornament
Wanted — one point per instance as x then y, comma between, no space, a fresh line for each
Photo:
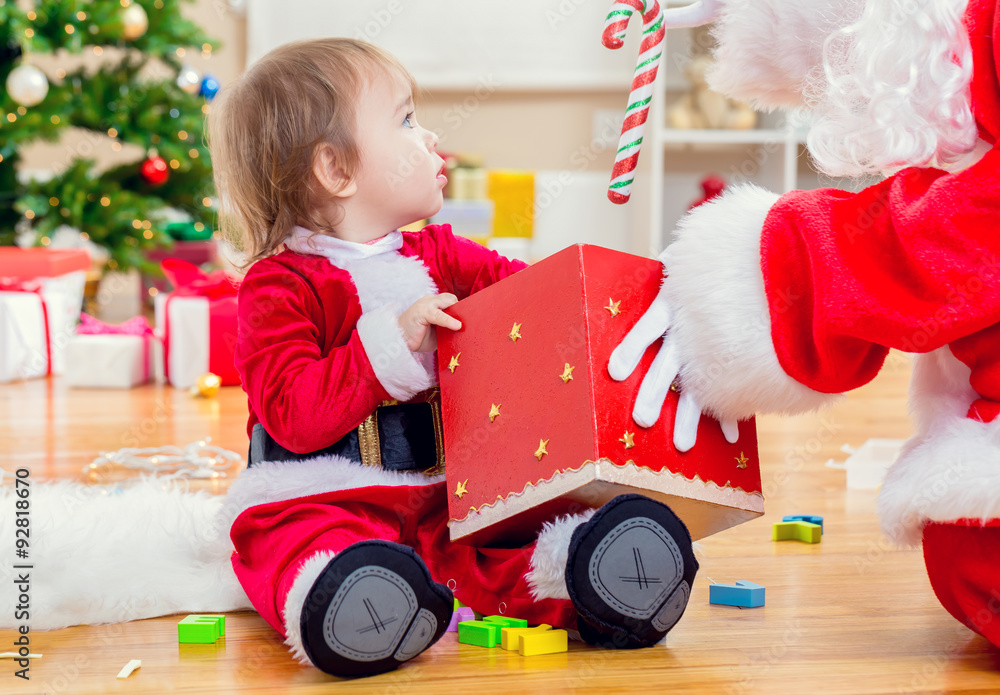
135,22
209,87
207,386
27,85
189,80
154,171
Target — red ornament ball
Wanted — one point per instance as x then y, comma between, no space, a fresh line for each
154,170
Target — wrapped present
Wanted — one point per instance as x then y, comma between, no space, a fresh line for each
41,292
534,426
102,355
200,252
197,324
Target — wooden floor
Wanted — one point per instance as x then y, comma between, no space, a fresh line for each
850,615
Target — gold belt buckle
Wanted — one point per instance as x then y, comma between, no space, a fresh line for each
370,445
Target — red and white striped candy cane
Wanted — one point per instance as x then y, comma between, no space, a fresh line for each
650,49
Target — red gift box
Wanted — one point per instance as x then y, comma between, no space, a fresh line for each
534,426
39,262
197,322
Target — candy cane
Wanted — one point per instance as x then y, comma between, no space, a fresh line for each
650,50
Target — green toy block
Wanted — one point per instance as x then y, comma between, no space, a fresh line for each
479,633
797,531
201,629
503,621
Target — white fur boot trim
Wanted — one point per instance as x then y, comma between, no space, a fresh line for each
721,321
547,576
950,472
292,614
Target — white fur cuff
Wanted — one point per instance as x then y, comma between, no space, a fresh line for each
547,576
951,472
292,615
721,323
396,368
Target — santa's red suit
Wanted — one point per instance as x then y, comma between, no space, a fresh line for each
780,302
319,349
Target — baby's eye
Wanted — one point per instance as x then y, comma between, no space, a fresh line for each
410,119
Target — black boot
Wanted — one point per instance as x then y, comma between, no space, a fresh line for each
372,608
630,572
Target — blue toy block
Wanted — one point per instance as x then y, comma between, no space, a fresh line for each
742,594
809,519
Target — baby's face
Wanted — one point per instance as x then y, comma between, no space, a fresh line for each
401,176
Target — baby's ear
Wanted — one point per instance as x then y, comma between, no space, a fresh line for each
330,175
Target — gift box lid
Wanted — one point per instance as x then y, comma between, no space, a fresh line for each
38,262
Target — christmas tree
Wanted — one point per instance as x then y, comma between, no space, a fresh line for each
142,94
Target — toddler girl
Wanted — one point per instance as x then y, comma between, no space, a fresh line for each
340,520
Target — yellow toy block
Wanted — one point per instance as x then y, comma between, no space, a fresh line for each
797,531
549,642
510,637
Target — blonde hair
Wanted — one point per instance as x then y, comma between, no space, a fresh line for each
264,131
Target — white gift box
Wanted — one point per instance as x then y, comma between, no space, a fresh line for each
189,337
111,361
23,345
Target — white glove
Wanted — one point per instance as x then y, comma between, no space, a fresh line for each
655,385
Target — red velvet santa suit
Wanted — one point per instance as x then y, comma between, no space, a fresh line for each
811,289
319,348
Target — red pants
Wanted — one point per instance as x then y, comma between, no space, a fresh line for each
273,540
963,562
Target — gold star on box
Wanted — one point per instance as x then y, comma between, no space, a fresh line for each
567,374
627,439
515,332
453,362
541,451
614,307
741,461
460,490
494,411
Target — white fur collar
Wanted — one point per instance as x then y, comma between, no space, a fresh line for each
383,278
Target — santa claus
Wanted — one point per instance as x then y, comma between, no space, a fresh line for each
779,303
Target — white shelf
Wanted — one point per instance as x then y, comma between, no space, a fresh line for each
753,136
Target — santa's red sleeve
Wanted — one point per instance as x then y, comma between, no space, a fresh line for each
780,302
910,263
459,265
304,399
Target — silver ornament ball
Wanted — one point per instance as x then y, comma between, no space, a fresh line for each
135,21
27,85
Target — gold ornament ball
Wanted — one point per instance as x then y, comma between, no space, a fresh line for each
134,21
207,386
27,85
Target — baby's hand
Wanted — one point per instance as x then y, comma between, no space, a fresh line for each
417,322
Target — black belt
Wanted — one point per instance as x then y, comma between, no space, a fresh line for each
396,437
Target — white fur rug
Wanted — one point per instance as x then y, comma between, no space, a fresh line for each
104,554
